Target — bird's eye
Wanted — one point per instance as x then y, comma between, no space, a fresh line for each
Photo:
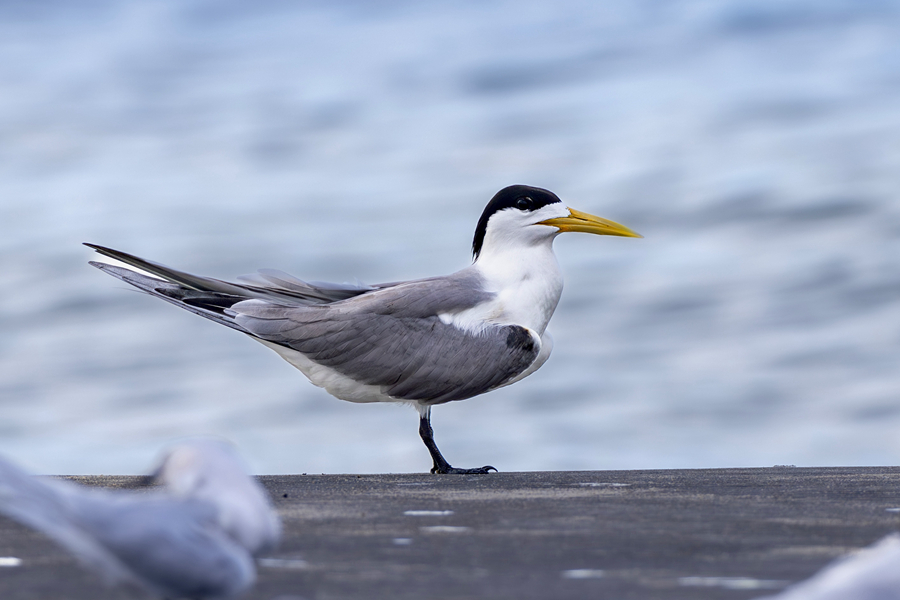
524,203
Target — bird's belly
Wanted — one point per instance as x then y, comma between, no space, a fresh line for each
337,384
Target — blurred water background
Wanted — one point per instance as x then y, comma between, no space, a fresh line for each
756,145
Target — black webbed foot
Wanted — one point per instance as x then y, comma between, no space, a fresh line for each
448,470
441,466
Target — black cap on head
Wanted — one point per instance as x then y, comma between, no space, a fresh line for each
522,197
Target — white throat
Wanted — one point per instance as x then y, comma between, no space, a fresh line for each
526,280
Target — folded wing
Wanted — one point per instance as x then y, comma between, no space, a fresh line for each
395,338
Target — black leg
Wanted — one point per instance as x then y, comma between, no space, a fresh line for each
440,463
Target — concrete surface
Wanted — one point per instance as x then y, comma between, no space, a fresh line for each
698,534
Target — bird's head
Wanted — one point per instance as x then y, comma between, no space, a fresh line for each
525,215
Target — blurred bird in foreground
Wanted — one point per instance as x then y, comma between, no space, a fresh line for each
872,573
196,537
422,342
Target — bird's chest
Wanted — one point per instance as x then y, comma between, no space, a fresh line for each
526,292
528,301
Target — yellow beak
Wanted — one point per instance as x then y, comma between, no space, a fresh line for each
585,223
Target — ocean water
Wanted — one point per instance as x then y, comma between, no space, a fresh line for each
755,144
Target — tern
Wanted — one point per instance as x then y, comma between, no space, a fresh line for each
422,342
194,537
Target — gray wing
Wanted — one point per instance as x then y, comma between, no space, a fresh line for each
394,338
209,297
321,291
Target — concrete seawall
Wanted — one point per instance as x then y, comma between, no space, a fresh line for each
698,534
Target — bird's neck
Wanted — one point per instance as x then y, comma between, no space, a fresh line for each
527,283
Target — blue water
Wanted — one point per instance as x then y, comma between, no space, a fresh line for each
755,144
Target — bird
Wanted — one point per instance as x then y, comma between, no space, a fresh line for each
422,342
195,536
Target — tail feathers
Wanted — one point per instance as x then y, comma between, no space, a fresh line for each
47,506
204,303
184,279
268,284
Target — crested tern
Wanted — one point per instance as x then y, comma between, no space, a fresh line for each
424,342
195,537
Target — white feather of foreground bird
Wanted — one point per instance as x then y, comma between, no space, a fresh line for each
195,537
872,573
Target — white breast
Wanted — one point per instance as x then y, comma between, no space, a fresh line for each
527,285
